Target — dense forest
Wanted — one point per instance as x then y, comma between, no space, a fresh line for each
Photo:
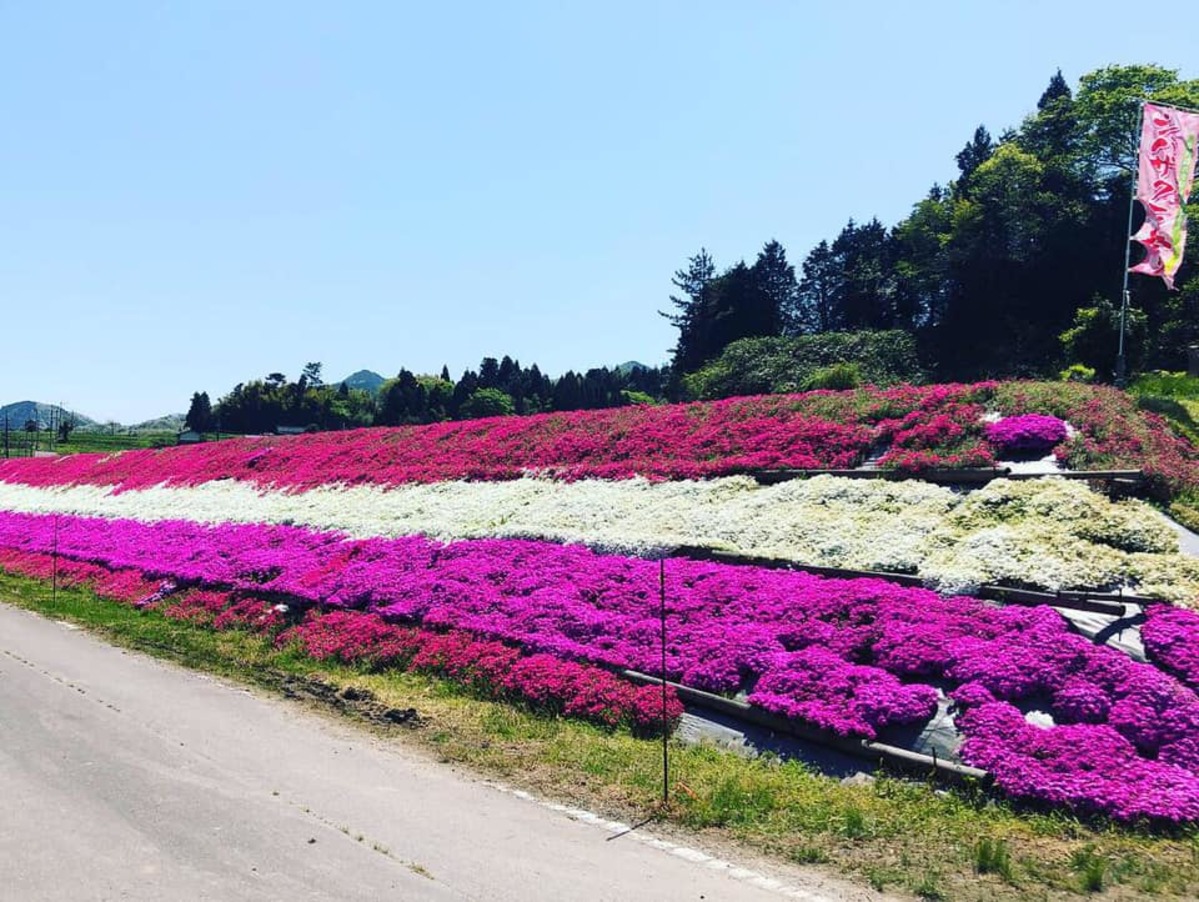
497,388
1014,268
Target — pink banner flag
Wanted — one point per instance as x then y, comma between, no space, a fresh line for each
1166,175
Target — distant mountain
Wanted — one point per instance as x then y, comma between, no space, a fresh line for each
625,368
366,380
21,412
171,422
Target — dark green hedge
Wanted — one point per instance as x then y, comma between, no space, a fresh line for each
755,366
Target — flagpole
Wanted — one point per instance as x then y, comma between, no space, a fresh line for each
1121,362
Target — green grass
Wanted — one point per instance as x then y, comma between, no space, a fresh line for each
1167,385
991,856
906,837
81,442
1091,867
1174,396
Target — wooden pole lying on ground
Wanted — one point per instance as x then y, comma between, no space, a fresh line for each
1094,602
952,477
868,749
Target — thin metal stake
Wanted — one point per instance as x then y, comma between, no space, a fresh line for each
54,557
665,735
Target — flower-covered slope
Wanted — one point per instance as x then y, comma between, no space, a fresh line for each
852,656
919,427
432,548
678,441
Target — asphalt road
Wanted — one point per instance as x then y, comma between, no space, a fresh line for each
125,778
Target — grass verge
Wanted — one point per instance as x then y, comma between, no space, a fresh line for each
896,835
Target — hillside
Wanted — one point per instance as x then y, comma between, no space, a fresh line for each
171,422
366,380
20,412
527,558
628,366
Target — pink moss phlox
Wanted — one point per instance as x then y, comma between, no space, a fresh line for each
491,668
1171,637
197,606
843,654
923,427
1087,767
684,441
818,686
1030,433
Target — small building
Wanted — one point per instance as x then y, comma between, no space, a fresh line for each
290,430
188,437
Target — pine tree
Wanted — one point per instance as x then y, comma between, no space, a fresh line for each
816,298
466,386
976,152
568,392
489,373
692,322
1057,90
776,277
199,415
740,307
865,296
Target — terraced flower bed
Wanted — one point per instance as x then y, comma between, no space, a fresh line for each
853,656
932,426
514,555
918,427
1040,534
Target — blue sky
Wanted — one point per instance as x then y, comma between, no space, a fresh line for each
196,194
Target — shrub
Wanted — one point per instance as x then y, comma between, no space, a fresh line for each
1078,372
839,376
637,397
775,365
1094,334
487,402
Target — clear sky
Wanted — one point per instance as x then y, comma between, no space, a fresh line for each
194,194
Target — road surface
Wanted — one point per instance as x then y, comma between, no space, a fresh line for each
122,777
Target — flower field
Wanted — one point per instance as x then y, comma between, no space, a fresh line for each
516,556
920,427
1042,534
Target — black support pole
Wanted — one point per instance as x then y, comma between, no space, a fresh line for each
665,733
54,578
